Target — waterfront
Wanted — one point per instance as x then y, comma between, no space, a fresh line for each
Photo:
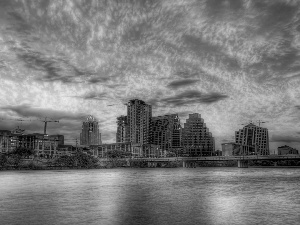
151,196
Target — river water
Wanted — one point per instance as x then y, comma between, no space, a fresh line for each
151,196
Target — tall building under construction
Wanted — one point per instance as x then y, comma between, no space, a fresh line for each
122,129
90,134
196,138
166,132
138,117
253,140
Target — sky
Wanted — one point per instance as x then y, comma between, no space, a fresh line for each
231,61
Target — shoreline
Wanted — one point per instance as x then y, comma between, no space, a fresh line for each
126,167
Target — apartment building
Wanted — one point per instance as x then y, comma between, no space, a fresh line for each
139,117
165,132
196,138
253,140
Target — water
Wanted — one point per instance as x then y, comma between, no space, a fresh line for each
151,196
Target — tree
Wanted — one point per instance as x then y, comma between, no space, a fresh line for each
23,152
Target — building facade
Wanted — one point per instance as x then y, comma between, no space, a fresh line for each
6,141
122,129
138,117
165,132
196,138
90,134
253,140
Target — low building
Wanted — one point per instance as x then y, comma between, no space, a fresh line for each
129,150
285,150
231,148
102,150
153,151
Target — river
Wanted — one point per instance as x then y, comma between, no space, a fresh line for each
219,195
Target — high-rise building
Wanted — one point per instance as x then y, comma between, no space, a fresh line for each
90,134
122,129
196,138
166,132
139,116
253,140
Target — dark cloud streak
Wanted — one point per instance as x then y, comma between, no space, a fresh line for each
26,110
193,97
181,83
282,138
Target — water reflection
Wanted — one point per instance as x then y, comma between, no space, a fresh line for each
151,196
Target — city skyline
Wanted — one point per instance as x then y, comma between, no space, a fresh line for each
230,61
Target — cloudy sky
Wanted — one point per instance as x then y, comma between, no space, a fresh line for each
232,61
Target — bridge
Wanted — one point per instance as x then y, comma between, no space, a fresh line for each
191,161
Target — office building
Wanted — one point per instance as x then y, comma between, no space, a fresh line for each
165,132
253,140
122,130
196,138
138,117
90,134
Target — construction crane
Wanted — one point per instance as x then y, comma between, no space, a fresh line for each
247,123
45,122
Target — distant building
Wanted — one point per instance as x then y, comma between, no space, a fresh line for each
165,132
122,129
90,134
285,150
196,138
138,117
253,140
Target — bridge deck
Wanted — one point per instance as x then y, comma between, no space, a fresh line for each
216,158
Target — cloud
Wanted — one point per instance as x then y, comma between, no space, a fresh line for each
283,138
181,83
26,110
193,97
55,68
93,96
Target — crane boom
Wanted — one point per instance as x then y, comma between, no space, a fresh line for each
48,121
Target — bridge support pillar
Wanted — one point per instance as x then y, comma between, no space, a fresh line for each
275,163
242,163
